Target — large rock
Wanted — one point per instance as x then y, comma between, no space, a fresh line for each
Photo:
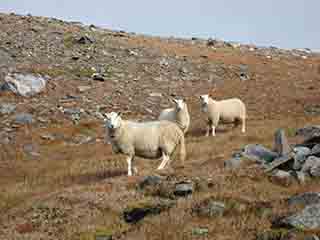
307,219
281,145
305,199
315,151
310,133
312,166
259,153
300,156
150,181
24,84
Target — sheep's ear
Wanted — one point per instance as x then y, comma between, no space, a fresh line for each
119,114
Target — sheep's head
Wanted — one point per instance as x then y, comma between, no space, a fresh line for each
204,99
113,121
180,104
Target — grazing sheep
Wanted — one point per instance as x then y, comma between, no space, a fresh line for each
152,140
230,110
179,114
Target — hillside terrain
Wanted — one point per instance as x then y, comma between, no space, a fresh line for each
59,178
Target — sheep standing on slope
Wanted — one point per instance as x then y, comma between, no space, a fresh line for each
230,110
148,139
179,114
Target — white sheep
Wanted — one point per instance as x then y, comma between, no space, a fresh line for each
152,140
179,114
231,110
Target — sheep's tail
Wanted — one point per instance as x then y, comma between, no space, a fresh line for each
182,150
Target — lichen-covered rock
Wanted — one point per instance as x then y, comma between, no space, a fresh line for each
307,219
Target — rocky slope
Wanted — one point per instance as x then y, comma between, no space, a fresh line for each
58,178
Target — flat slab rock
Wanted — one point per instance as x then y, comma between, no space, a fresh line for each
258,153
279,161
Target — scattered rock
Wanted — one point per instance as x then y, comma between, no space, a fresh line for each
210,208
244,72
200,231
139,210
300,156
305,199
281,145
7,108
24,84
312,166
234,163
183,188
281,174
310,133
315,151
23,118
307,219
259,153
83,89
312,110
150,181
155,94
98,77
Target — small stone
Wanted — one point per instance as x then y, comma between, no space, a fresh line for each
150,181
155,94
82,89
7,108
23,118
200,231
98,77
183,189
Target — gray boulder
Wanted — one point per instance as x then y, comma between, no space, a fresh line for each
307,219
24,84
310,133
307,198
312,166
300,156
259,153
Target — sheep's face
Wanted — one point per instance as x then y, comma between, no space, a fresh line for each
180,104
113,121
204,99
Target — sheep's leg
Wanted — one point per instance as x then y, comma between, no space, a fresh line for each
129,161
165,159
243,125
213,130
208,131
